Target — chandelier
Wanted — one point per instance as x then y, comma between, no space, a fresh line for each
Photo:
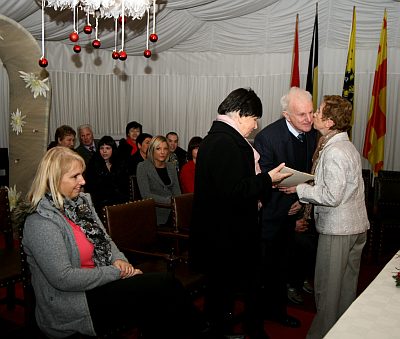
118,10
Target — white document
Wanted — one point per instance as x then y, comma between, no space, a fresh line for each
296,178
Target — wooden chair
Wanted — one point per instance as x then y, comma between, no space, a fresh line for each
181,218
134,192
133,227
13,265
182,212
386,217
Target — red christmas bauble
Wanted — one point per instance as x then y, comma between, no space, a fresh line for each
147,53
96,43
74,37
77,49
43,62
153,37
115,55
122,55
87,29
120,20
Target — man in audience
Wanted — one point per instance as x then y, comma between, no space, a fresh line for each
291,140
88,145
142,142
64,136
177,154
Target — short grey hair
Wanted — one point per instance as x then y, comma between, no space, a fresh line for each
81,127
294,92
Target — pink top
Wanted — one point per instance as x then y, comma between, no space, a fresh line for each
85,247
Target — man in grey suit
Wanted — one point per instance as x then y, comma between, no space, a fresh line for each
291,140
88,145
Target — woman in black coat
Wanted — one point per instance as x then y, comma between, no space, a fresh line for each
107,178
225,236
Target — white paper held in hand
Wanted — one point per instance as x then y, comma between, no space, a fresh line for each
296,178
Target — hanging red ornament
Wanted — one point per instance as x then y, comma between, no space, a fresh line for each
74,37
120,20
147,53
88,29
77,49
96,43
153,37
122,55
115,55
43,62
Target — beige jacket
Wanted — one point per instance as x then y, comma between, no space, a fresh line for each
338,193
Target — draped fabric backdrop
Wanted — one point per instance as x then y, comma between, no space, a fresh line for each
205,50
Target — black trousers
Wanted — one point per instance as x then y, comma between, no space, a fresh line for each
157,303
224,286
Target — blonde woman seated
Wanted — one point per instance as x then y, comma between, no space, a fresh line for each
157,178
82,282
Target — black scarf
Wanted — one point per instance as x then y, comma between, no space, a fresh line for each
78,211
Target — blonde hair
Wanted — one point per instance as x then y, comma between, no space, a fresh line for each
154,143
55,163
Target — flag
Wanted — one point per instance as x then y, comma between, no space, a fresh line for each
312,74
349,75
295,78
376,128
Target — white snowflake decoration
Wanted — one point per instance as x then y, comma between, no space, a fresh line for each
13,197
17,121
37,86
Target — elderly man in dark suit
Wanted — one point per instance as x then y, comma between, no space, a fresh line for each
88,144
291,140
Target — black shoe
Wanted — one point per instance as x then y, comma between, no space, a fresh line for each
288,321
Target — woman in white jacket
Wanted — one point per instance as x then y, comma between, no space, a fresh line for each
340,213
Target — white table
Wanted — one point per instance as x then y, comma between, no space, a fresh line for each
376,312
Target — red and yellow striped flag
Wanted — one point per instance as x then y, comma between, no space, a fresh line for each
374,144
295,78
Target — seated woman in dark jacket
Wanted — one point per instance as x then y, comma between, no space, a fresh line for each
107,178
82,282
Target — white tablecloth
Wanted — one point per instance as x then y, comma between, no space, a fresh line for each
376,312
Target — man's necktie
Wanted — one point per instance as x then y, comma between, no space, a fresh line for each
302,137
91,149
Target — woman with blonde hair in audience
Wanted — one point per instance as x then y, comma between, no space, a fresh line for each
82,282
157,178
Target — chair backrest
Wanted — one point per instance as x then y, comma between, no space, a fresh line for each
133,225
134,191
389,174
387,197
5,218
182,211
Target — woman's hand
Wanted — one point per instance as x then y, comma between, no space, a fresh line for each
127,270
276,175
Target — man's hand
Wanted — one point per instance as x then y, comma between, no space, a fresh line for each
294,208
301,225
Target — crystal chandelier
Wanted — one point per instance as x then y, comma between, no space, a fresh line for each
119,10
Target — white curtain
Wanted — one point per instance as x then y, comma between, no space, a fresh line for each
207,49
